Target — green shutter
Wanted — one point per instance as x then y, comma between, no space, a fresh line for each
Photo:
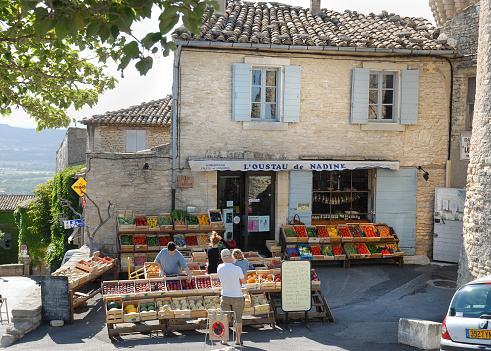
359,96
409,96
241,99
291,96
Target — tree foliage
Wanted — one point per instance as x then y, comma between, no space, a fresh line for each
46,46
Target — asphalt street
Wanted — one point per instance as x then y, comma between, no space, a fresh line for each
367,301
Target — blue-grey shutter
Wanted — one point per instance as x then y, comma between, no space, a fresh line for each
409,96
300,192
141,140
395,204
291,96
131,140
241,99
359,96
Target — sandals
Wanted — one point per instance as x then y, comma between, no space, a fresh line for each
224,343
240,343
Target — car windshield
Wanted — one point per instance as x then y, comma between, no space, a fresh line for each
472,301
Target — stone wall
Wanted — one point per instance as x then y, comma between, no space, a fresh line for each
113,138
324,129
443,10
464,28
71,152
120,179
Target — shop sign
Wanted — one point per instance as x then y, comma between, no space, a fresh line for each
465,147
185,182
74,223
245,166
303,206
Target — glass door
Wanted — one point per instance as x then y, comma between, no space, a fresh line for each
231,203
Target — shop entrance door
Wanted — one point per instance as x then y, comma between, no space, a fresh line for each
247,197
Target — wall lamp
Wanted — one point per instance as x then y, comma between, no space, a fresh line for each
426,175
146,166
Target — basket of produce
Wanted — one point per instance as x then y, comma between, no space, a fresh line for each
181,308
356,232
126,241
312,234
337,250
216,219
326,251
351,251
131,314
252,281
334,235
323,234
363,250
203,284
151,270
173,286
151,257
164,308
153,242
193,222
142,288
383,231
127,288
147,309
197,307
302,236
165,222
204,221
374,251
153,223
141,222
157,287
316,251
203,240
260,303
370,232
110,288
216,283
191,240
289,233
344,231
164,239
126,221
304,250
179,217
140,241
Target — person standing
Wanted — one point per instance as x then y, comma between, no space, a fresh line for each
232,299
214,251
171,261
240,260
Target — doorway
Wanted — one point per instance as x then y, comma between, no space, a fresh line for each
247,203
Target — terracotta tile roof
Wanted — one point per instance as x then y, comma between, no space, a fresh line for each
9,202
153,113
279,24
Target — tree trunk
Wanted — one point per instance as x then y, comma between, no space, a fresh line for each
475,259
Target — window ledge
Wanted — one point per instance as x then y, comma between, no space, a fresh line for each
264,125
393,127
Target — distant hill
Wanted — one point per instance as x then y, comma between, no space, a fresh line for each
27,158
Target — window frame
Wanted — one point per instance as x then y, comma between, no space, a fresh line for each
128,147
396,96
470,103
279,97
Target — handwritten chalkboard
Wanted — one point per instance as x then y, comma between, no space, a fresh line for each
296,286
55,298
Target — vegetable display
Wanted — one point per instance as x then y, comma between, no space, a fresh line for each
179,216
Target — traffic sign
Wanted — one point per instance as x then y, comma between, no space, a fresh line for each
80,187
23,247
74,223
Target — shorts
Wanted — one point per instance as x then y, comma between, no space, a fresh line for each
236,304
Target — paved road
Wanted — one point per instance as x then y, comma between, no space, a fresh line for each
367,302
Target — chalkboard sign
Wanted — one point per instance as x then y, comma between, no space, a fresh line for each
296,286
55,298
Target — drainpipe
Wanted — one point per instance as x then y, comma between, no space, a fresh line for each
175,99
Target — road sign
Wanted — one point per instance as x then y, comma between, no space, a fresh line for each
80,187
23,247
84,203
74,223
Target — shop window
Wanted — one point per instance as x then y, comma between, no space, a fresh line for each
341,196
136,140
267,93
375,96
469,108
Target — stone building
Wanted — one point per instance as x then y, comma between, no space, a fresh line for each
71,152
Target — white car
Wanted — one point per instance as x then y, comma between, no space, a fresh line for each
467,325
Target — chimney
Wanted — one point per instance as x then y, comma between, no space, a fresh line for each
223,7
315,7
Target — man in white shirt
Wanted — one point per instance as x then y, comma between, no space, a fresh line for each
231,277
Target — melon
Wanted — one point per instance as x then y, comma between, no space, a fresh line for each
128,307
113,305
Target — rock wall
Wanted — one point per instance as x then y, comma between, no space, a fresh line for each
72,150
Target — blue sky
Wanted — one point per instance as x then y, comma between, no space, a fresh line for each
134,89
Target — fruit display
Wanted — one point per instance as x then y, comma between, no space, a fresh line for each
345,233
259,300
191,240
203,283
153,222
337,250
113,305
362,249
370,231
326,250
322,232
110,289
301,232
195,303
203,239
179,217
273,263
277,278
180,304
180,240
147,307
290,233
203,219
158,285
188,285
131,308
164,240
212,303
311,232
385,252
333,232
140,260
215,216
165,221
122,220
304,250
252,278
140,240
355,231
164,306
126,240
173,285
316,250
126,288
383,231
292,252
75,277
215,282
141,287
251,255
86,266
373,249
350,250
152,241
141,222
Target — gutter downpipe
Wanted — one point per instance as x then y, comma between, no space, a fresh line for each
174,122
450,107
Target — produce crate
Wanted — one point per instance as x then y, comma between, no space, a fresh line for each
292,253
247,298
327,253
272,262
312,234
203,240
153,242
140,242
127,243
252,281
277,277
85,266
216,219
130,317
140,259
266,280
127,288
252,256
315,279
334,234
164,239
178,311
199,311
142,288
396,251
167,226
260,303
316,251
153,223
203,283
191,241
173,286
273,246
363,250
203,220
323,234
151,256
157,287
345,234
351,251
248,311
370,232
356,232
211,303
164,313
149,314
304,251
215,283
141,222
195,225
385,251
338,251
383,231
287,229
125,227
258,265
115,315
124,261
110,289
374,250
301,229
180,241
199,256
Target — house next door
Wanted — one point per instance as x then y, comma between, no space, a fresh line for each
249,196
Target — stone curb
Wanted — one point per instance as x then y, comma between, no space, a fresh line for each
419,333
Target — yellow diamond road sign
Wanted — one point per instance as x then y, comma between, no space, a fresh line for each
80,187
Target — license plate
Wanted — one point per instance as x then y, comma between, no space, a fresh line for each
478,334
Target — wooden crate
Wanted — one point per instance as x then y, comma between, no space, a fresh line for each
322,239
206,279
125,227
198,312
266,284
383,231
341,256
343,228
302,240
132,317
199,256
143,228
218,214
316,257
86,267
127,288
180,313
157,287
142,288
115,315
127,247
288,239
204,226
153,229
153,237
140,247
355,255
191,235
248,311
173,292
215,283
207,302
167,226
110,288
148,315
312,239
377,254
355,227
365,247
193,226
273,246
396,251
164,314
124,261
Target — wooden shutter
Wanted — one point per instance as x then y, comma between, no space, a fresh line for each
395,204
291,96
131,140
359,96
409,96
300,192
241,99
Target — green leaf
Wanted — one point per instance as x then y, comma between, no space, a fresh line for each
132,49
154,50
114,31
144,65
61,29
93,28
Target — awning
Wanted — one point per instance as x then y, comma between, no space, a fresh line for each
246,165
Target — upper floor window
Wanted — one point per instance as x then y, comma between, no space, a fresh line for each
136,140
469,108
384,96
264,94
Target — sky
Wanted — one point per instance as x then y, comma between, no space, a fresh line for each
134,89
